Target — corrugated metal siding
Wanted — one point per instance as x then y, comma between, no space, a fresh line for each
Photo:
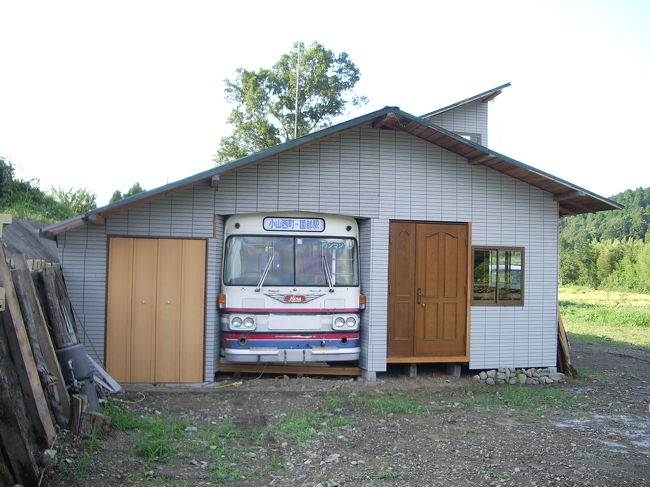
378,175
186,214
83,257
472,118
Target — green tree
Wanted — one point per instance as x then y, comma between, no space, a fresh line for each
265,100
117,194
24,199
78,201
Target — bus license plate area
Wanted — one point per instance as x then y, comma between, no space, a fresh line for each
291,322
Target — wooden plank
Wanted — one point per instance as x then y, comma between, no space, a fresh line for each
79,407
290,369
167,328
428,360
64,226
47,363
119,308
24,360
16,435
63,334
480,159
569,196
94,424
143,325
192,325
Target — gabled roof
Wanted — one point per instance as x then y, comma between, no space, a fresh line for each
572,198
484,97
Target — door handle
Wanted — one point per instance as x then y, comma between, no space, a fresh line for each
419,295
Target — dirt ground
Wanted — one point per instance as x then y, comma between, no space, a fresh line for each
433,430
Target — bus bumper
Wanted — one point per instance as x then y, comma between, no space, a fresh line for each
324,354
290,348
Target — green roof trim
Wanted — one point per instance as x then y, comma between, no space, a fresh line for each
465,101
490,152
233,165
54,229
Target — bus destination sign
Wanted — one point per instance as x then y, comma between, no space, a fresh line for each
294,224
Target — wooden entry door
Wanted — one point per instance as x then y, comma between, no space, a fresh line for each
427,307
155,310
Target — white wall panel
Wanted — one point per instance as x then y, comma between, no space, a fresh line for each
377,175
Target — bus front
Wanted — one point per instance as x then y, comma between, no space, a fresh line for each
290,289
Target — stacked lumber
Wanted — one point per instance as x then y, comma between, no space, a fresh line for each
563,350
37,320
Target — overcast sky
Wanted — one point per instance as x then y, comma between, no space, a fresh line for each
104,94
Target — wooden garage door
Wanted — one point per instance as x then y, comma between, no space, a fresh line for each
427,315
155,310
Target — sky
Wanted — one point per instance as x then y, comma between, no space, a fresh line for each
103,94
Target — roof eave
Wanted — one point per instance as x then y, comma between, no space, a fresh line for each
484,97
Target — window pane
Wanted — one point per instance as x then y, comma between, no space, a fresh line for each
485,262
248,257
315,255
509,275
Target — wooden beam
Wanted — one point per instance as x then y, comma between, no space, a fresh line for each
389,120
64,226
480,159
569,196
97,219
214,181
488,98
562,209
428,360
16,434
290,369
586,209
24,360
47,363
5,219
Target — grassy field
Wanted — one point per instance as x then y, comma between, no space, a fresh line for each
619,318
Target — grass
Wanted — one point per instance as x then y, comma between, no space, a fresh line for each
331,402
535,400
394,403
299,427
158,440
123,419
158,434
612,317
340,421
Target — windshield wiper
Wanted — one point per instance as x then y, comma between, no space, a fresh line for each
266,271
328,274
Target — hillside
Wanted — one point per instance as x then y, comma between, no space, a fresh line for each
630,222
611,249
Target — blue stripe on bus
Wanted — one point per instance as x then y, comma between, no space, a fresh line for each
292,344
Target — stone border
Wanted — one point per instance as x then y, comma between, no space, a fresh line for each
546,375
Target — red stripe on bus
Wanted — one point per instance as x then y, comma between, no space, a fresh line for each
291,310
297,336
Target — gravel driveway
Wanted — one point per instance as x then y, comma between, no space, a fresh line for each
433,430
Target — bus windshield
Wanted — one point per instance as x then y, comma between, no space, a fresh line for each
290,261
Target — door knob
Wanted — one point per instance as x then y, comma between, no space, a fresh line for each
419,295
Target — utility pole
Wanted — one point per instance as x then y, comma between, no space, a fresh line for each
300,46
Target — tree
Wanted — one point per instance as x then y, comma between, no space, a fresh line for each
78,201
265,100
117,194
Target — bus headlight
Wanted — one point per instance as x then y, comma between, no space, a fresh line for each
339,322
236,323
351,322
249,322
